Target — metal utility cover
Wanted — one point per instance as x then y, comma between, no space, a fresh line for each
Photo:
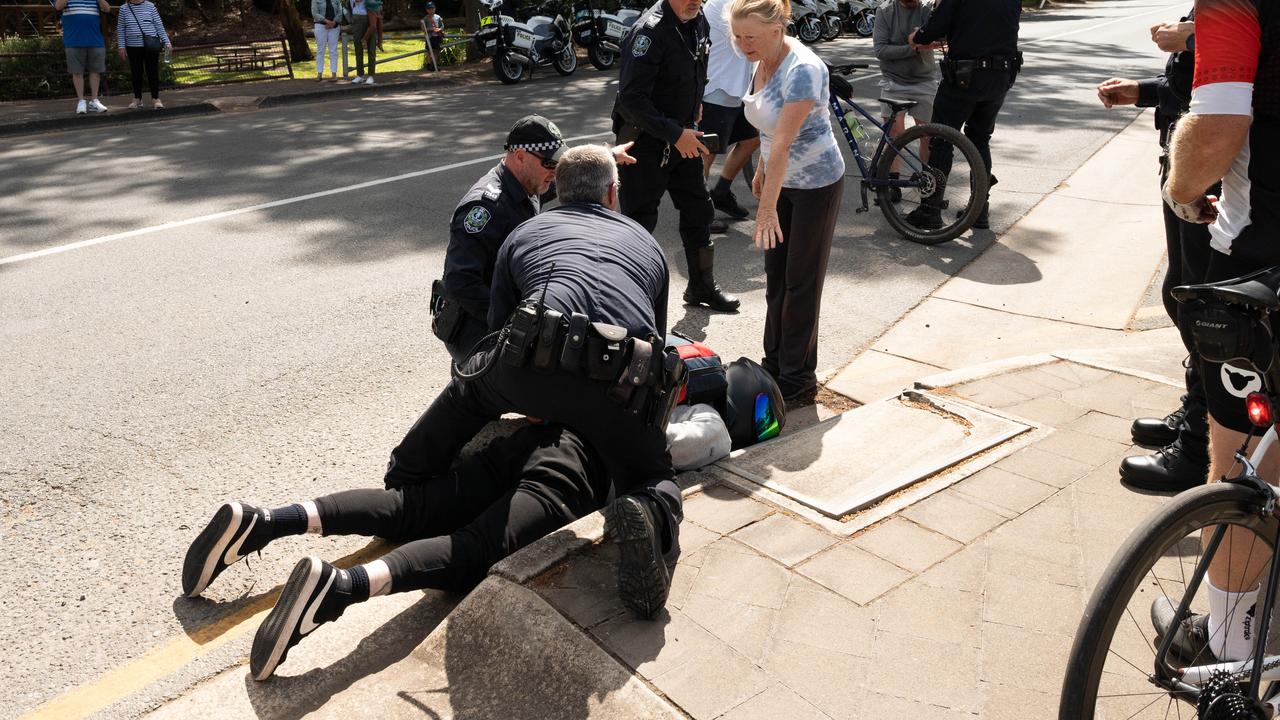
849,462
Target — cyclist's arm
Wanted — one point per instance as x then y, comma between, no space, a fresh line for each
1207,141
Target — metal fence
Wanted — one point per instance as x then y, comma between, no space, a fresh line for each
450,52
42,72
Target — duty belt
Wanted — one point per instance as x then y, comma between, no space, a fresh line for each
642,376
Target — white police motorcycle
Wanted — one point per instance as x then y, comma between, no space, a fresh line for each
806,22
601,33
859,16
517,48
829,15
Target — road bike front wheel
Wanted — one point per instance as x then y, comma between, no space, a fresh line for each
931,206
1113,658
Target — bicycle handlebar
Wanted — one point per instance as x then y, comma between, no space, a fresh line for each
847,69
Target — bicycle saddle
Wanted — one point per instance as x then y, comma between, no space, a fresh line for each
1257,290
899,105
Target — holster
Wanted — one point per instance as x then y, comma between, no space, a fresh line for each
446,313
606,351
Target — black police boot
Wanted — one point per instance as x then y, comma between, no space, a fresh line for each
1158,432
929,215
984,221
718,227
727,203
644,580
1168,470
703,289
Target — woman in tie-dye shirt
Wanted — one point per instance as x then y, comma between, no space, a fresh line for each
800,183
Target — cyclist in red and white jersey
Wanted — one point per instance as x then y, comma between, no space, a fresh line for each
1232,134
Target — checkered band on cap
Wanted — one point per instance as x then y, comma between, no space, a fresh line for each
536,147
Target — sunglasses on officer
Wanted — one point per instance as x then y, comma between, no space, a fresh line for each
546,162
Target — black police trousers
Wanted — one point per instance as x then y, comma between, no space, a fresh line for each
633,454
644,183
972,111
455,526
469,333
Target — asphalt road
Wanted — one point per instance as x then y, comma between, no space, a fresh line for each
233,336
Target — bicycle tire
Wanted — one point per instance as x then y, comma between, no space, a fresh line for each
979,185
1212,504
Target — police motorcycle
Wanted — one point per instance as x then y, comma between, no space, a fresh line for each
859,16
806,22
517,48
832,22
601,33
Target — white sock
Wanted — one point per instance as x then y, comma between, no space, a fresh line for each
379,578
313,518
1231,622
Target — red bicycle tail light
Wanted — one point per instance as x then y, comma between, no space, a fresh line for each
1259,409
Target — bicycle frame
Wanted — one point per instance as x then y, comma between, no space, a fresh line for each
866,167
1185,681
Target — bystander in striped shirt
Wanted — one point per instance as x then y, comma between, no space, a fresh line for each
129,33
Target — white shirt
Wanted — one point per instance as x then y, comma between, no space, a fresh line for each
727,69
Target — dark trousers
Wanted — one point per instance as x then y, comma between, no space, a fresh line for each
149,60
1188,247
795,271
633,454
645,182
457,525
359,25
972,111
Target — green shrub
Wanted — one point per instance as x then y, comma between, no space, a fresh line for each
33,68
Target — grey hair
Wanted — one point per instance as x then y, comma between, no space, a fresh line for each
584,174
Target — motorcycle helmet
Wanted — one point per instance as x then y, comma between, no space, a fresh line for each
755,409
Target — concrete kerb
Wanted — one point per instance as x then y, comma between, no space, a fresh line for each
78,122
215,105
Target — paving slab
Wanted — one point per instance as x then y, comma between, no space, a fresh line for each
875,375
950,514
853,573
785,539
844,464
906,544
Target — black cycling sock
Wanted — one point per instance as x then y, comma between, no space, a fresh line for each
359,583
288,520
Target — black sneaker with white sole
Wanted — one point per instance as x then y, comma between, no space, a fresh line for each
643,579
235,531
315,594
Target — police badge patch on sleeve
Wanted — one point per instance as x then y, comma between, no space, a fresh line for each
475,220
641,46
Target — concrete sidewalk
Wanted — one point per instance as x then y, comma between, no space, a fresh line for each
954,596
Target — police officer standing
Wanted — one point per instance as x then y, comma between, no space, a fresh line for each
663,75
978,68
506,196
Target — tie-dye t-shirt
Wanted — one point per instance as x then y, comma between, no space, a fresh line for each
815,160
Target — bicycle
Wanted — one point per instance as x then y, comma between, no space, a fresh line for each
902,169
1121,665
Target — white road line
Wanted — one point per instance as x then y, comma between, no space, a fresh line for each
262,206
430,171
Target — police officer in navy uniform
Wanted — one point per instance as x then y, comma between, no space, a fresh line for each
580,294
663,74
978,68
506,196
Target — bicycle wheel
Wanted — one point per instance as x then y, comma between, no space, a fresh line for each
934,207
1113,657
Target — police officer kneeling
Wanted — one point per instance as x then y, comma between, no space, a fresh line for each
506,196
660,85
980,65
586,293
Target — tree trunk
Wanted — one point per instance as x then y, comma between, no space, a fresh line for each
472,10
299,50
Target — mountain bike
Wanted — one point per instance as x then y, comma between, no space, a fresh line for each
1144,648
899,173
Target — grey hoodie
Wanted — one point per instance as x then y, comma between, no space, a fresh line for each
899,62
